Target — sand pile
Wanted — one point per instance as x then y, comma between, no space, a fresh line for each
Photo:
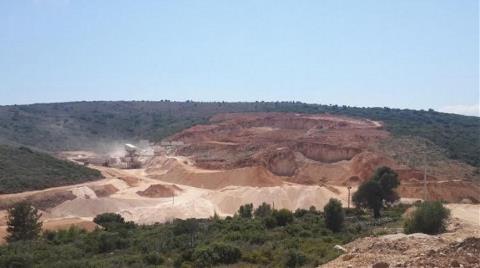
160,190
104,190
229,199
248,176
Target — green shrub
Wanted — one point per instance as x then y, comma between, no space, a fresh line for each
110,241
107,218
283,217
270,222
300,212
264,210
153,258
334,215
295,259
429,218
216,254
245,211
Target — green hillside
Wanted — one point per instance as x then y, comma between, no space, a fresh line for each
84,125
22,169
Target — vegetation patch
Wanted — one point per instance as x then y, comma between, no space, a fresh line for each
22,169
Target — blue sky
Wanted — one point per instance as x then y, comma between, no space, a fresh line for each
406,54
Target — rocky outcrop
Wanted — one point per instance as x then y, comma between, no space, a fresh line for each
326,153
282,163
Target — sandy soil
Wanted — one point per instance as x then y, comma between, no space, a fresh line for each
122,191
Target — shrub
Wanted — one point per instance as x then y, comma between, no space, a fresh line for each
107,218
295,259
428,218
153,258
110,241
283,217
216,254
334,215
263,210
245,211
300,212
269,222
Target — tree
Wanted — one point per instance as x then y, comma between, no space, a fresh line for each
263,210
428,218
369,195
283,216
245,211
334,215
388,180
380,188
23,222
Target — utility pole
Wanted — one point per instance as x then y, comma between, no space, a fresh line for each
173,197
425,177
348,200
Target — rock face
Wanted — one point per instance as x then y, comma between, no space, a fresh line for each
297,147
266,149
282,163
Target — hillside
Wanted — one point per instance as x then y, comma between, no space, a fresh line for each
22,169
91,125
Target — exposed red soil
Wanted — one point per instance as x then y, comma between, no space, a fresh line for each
450,191
266,149
160,190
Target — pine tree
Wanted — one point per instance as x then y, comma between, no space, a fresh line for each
23,222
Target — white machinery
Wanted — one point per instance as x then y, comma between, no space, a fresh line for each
131,158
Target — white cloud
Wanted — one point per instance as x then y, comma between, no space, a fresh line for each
473,109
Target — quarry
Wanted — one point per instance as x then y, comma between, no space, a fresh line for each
287,160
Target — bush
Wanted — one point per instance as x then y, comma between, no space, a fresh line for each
300,212
334,215
428,218
269,222
295,259
105,219
283,217
216,254
153,258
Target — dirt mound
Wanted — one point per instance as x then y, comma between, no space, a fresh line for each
458,247
247,176
458,254
160,190
104,190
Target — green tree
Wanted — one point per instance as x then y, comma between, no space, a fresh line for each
388,180
334,215
369,195
283,216
429,218
23,222
381,187
264,210
245,211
